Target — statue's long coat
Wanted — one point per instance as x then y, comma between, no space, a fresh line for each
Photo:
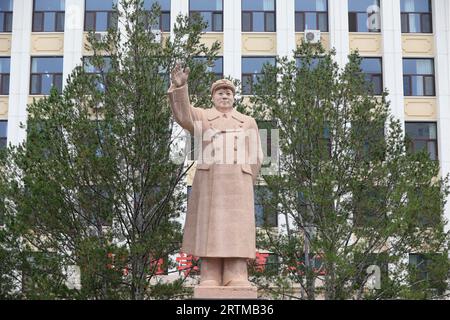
220,220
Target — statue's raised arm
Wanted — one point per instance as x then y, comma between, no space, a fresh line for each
185,115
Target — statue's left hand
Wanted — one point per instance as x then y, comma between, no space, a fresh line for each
179,76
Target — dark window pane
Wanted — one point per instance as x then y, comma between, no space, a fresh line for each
352,22
404,17
165,21
406,86
8,22
323,21
38,21
35,84
5,84
246,84
299,22
429,86
5,63
270,22
426,23
377,84
57,82
246,21
112,20
89,21
49,21
255,65
218,22
60,22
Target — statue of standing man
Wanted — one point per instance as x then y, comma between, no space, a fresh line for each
220,220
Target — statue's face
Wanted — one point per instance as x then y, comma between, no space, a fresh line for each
223,98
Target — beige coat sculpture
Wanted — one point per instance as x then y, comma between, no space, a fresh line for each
220,221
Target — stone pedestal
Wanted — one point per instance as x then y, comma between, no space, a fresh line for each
225,292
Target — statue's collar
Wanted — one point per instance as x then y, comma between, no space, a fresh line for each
213,114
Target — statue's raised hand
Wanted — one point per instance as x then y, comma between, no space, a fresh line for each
179,76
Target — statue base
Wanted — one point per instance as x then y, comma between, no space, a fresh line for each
225,292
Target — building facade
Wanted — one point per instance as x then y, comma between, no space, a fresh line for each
405,45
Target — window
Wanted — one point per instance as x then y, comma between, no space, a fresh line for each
422,136
97,71
363,15
311,15
4,75
369,207
312,65
418,77
3,133
48,16
372,70
6,15
428,270
251,71
216,68
416,16
258,16
371,145
99,15
211,12
265,213
46,72
164,19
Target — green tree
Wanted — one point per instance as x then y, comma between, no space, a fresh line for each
350,193
96,184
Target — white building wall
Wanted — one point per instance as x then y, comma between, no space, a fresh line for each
232,39
441,27
20,70
338,29
392,56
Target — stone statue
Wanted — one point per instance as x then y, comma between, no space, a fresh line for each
220,221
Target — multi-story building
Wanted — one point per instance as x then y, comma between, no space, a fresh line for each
405,45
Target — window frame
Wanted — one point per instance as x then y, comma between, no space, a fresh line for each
4,138
40,74
2,75
55,22
372,75
409,76
406,15
110,14
357,24
99,73
3,28
251,74
213,12
411,145
274,12
303,13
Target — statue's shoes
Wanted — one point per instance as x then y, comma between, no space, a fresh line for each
211,283
238,283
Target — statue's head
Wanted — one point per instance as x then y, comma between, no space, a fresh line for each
222,92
